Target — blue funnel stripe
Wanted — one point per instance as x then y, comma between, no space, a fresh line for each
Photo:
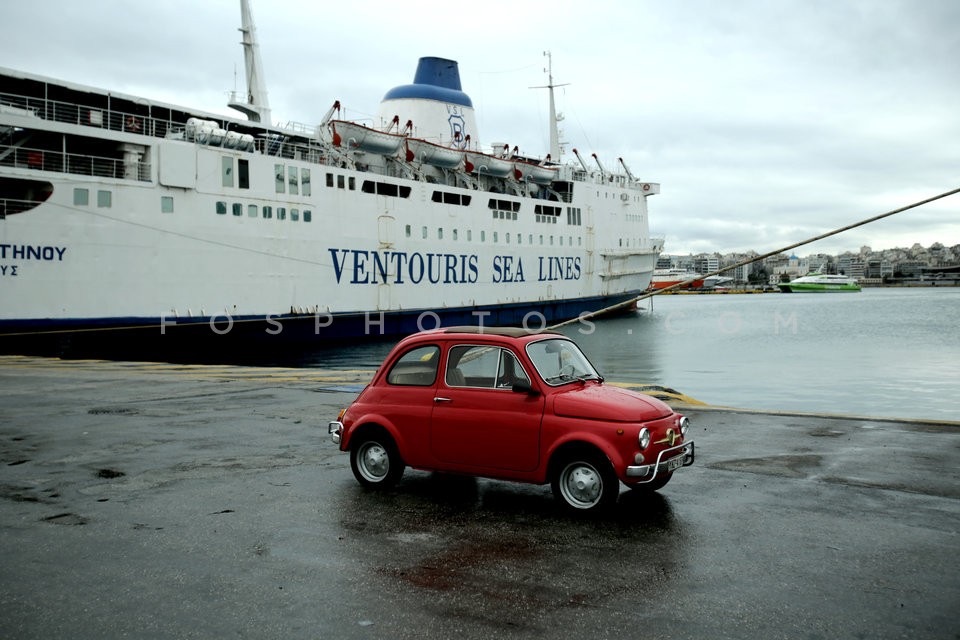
435,79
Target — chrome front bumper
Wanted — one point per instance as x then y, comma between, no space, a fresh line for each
668,461
335,429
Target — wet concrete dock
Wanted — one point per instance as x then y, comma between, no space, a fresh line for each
166,501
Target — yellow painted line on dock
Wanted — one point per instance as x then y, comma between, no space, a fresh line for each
198,371
358,377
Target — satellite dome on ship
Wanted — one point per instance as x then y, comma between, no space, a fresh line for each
435,104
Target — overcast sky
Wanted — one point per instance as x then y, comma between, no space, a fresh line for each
765,121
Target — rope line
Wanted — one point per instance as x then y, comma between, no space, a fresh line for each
628,303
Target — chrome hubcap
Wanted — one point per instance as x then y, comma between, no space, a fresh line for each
581,485
374,462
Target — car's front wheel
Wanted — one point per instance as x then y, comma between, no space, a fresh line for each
586,483
375,461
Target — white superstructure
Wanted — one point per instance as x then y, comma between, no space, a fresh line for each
116,211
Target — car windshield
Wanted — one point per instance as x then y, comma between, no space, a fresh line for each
560,361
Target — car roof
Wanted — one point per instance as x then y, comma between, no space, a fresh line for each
509,332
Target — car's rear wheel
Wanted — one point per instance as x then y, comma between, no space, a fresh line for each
375,461
585,483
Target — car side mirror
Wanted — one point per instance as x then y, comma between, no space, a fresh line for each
524,387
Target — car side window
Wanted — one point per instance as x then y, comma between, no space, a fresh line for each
472,366
484,367
510,372
417,367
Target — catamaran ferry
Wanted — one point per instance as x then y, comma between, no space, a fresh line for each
122,214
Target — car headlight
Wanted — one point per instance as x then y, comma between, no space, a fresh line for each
684,425
644,438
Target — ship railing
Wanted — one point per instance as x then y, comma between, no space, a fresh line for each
11,206
300,128
91,116
74,163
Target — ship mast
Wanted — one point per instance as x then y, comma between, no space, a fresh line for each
554,127
256,106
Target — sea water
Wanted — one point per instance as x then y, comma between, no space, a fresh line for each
883,352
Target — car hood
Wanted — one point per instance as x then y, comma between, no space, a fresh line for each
602,402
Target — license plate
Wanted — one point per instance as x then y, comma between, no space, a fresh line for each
674,463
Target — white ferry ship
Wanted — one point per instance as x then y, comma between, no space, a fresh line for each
120,215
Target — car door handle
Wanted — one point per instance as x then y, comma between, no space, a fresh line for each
439,399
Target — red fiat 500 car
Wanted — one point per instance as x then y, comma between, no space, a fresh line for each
513,405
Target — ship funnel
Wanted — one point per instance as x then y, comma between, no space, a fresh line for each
441,112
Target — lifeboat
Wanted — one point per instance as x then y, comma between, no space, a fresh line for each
356,136
433,154
485,164
536,173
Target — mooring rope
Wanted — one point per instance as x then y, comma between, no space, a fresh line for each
633,301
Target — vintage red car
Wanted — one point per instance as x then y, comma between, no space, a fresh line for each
513,405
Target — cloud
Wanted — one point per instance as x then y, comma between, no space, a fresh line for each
765,122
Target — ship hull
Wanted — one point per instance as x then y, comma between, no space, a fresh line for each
663,284
818,288
256,338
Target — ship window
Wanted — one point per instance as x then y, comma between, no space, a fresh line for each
81,197
496,236
385,189
440,233
541,238
330,180
226,170
423,232
483,236
281,213
166,204
507,240
295,215
469,235
104,199
340,182
267,212
353,183
304,181
221,207
407,230
252,210
307,215
243,174
237,209
519,238
451,198
278,177
454,234
292,180
530,239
